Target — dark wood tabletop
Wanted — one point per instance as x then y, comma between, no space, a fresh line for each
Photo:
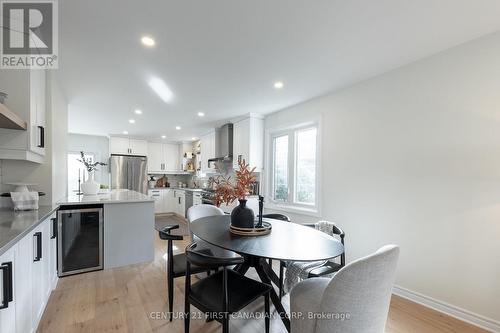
287,241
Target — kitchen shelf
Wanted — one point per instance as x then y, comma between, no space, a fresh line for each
9,119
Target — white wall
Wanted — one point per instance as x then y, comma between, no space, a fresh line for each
412,157
97,145
59,121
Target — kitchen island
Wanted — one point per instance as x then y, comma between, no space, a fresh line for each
128,225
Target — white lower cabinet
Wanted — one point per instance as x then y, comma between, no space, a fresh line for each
8,301
197,199
157,197
180,203
168,200
24,293
34,274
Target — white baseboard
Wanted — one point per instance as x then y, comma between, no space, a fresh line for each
451,310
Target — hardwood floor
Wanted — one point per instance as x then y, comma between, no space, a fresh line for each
134,299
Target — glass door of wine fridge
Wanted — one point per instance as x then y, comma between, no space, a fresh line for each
79,246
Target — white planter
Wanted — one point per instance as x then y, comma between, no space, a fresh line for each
90,186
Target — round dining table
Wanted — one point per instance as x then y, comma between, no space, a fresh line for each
287,241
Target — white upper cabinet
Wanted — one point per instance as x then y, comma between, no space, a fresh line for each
126,146
119,145
163,157
37,111
138,147
248,142
207,143
26,98
172,157
155,157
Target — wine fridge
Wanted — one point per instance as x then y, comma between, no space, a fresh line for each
80,237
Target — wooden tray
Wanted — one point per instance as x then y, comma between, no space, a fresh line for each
264,230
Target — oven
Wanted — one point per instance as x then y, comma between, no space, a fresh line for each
207,197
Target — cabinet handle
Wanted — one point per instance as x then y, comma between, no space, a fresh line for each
54,228
8,295
37,236
41,130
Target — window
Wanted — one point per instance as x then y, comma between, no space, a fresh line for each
76,170
294,168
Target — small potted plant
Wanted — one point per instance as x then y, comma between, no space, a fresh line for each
227,192
90,186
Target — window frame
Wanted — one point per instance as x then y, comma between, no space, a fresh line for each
290,205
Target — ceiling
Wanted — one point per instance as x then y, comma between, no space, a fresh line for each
223,56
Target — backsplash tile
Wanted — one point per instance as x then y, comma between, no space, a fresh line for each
175,179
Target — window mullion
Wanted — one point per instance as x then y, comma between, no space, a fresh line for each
291,167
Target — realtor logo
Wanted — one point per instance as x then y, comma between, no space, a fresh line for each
29,34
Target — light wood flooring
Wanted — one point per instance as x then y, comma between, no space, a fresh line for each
134,299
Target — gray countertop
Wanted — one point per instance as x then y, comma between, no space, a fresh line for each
111,197
177,188
16,225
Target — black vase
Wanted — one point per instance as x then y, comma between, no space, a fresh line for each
242,216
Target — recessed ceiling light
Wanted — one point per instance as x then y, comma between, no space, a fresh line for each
125,132
278,85
148,41
137,111
201,114
161,89
177,127
132,121
163,136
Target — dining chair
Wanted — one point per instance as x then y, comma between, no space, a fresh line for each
316,269
176,264
279,217
199,211
223,293
357,297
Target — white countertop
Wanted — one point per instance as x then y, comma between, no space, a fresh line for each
176,188
111,197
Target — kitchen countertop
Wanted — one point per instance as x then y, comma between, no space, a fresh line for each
177,188
15,225
111,197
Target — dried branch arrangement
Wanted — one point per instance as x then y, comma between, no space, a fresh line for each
89,165
226,192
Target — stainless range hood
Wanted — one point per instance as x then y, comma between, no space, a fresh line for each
223,144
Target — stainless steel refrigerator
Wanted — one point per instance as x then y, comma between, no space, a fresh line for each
129,172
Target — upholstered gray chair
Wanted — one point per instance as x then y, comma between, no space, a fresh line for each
199,211
355,300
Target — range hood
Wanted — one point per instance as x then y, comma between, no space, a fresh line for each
9,119
223,144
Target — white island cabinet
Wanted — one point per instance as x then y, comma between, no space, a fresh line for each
128,234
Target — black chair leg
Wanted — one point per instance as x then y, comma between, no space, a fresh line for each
225,323
170,284
187,317
267,312
282,268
